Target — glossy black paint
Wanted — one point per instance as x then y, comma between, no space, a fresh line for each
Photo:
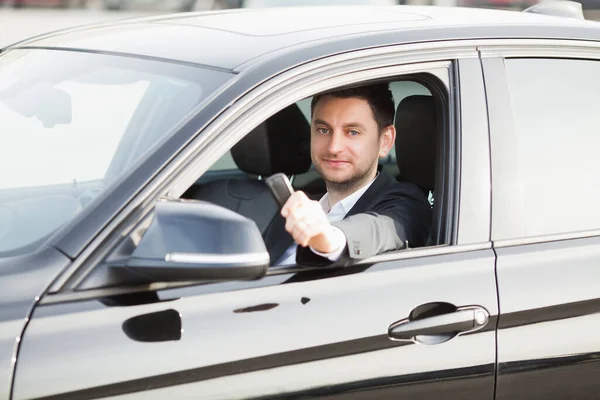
268,343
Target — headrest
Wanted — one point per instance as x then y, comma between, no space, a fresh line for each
416,134
279,144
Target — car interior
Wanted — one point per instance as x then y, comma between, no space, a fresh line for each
282,144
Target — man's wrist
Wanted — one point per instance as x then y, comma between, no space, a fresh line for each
338,242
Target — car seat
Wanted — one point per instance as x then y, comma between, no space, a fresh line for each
416,144
416,139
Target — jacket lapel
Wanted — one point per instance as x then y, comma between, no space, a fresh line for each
382,182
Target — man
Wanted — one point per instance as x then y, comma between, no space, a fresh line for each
364,212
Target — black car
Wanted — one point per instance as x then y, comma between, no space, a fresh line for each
136,229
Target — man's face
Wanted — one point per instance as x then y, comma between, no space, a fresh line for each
345,142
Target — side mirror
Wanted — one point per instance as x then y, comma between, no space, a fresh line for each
194,240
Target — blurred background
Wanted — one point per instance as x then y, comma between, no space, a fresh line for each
20,19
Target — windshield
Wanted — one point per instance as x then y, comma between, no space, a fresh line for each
71,123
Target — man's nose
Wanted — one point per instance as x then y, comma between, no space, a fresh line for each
336,143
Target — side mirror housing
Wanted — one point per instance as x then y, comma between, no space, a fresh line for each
194,240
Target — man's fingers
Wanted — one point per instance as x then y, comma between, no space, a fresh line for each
300,231
303,233
296,200
300,237
294,217
300,213
290,224
305,218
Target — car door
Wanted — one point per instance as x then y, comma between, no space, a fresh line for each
418,323
544,218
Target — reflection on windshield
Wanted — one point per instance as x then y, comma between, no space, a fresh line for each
72,123
67,150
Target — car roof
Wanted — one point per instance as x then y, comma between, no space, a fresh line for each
234,38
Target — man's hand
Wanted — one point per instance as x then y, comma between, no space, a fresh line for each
307,223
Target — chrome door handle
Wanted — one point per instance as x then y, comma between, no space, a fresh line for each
462,320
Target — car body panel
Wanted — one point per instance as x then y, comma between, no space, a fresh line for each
170,37
270,340
475,202
23,281
548,346
548,286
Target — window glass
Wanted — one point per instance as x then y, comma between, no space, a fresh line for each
556,124
224,163
72,123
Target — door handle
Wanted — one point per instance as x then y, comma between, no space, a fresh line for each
462,320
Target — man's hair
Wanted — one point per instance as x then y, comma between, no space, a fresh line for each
379,96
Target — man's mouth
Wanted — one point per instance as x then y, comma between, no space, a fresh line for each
335,163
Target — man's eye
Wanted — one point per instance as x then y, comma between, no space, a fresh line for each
324,131
353,133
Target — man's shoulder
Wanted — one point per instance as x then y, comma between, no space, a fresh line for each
390,186
387,192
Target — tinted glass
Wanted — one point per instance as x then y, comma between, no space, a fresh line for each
72,123
555,105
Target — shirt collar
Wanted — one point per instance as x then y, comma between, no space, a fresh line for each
345,205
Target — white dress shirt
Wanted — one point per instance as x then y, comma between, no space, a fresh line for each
335,213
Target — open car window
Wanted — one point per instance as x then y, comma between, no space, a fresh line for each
400,90
234,180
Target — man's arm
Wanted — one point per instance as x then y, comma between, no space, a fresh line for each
400,215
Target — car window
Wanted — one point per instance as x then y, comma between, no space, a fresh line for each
556,126
281,144
309,181
71,123
400,90
227,163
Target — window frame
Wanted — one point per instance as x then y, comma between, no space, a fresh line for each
287,88
506,214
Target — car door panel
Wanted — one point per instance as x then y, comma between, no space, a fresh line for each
307,338
548,347
547,262
21,288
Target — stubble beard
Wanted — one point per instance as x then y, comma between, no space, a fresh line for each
348,186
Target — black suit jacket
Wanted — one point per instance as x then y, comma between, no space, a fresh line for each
387,216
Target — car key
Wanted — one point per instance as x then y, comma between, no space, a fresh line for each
280,186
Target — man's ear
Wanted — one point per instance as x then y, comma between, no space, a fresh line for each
387,140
